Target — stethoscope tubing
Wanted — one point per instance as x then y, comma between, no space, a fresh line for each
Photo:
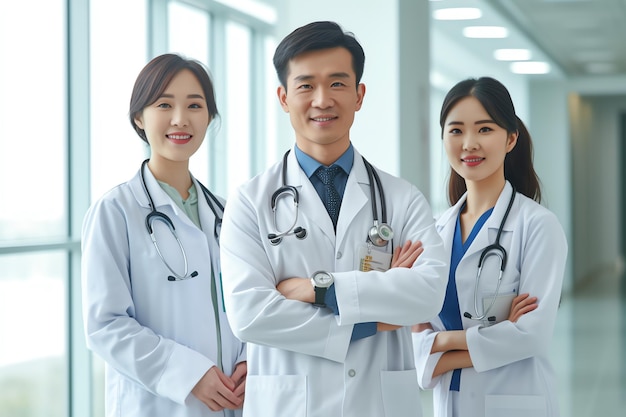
154,214
374,183
496,249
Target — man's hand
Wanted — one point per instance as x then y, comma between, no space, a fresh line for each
296,288
215,390
403,257
406,255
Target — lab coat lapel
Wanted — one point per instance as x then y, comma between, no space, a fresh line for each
310,203
489,231
354,198
206,215
446,224
159,197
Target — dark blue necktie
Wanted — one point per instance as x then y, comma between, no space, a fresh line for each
332,199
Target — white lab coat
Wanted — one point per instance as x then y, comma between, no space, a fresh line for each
300,359
512,375
158,338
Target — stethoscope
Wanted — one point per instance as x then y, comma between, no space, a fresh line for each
378,235
154,215
498,250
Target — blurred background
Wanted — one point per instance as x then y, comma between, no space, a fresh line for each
67,71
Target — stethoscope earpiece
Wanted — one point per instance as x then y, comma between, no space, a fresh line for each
300,232
274,239
192,275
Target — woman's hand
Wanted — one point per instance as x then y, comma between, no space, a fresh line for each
239,378
416,328
521,305
216,391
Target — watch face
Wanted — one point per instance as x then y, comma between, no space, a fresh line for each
323,279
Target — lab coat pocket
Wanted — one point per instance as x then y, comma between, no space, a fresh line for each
501,305
400,393
515,406
275,395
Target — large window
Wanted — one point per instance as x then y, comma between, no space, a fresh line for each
66,139
33,327
32,116
33,213
116,57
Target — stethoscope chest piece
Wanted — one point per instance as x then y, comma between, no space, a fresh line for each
380,234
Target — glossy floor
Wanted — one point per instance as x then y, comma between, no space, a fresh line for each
588,351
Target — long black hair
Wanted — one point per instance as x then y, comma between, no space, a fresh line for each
518,163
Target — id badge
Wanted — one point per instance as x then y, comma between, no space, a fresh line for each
371,259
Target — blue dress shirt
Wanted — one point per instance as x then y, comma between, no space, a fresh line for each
310,166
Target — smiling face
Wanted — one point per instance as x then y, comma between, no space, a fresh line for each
176,123
321,98
476,146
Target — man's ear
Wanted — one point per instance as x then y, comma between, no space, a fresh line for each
282,98
360,93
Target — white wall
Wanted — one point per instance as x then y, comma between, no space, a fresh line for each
596,178
549,128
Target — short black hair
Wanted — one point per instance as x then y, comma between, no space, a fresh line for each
315,36
156,76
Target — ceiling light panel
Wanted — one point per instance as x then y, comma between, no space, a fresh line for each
457,13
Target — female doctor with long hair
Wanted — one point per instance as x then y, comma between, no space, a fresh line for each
151,273
486,354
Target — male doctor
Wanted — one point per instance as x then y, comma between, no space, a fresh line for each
320,303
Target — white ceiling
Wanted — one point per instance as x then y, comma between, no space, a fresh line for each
577,37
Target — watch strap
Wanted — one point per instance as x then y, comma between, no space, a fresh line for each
320,296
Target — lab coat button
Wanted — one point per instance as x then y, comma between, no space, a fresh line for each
351,372
339,255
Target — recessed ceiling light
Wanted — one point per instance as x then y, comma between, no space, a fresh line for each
457,13
511,54
485,32
530,67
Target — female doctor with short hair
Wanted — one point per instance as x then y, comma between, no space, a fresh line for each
150,268
486,354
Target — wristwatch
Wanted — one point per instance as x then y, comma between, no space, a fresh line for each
321,280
